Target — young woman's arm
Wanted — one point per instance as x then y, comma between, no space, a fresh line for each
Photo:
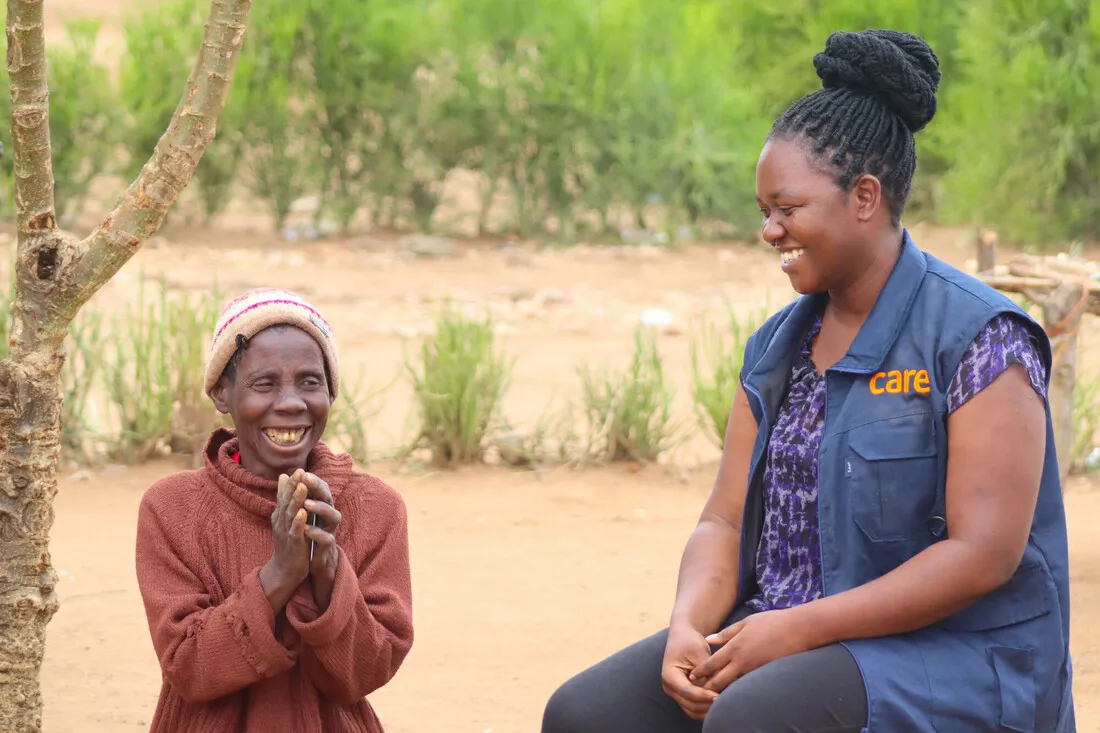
707,585
996,451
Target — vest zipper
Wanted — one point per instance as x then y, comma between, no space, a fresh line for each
817,484
754,469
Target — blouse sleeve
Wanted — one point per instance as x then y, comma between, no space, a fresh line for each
1003,342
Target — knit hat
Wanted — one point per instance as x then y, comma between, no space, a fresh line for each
262,308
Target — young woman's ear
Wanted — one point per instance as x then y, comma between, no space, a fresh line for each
868,196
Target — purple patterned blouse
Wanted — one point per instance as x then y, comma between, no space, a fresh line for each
788,561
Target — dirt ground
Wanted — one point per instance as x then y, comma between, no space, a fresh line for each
520,579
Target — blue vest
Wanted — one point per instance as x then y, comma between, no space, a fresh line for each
1001,664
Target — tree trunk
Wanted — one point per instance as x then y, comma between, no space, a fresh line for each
54,276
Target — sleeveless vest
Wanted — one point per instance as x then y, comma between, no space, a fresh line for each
1003,663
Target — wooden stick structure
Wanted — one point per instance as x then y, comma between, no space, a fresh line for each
1065,288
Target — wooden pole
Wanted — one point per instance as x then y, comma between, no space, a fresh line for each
987,250
1062,311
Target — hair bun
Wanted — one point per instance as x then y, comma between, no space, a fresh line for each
897,68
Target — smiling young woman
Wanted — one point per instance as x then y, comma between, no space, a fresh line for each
263,621
884,549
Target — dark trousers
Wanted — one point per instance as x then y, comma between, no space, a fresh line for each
820,691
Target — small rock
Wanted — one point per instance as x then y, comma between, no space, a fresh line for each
409,332
512,448
1092,463
425,245
514,293
81,476
685,234
657,318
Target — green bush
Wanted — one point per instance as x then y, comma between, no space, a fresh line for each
1021,125
161,42
582,118
716,358
458,386
629,413
153,376
84,117
347,422
276,90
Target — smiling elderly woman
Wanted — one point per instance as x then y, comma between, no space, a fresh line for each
275,578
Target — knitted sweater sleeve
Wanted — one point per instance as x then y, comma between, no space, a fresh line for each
358,643
207,650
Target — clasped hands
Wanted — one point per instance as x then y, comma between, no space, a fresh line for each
697,668
299,494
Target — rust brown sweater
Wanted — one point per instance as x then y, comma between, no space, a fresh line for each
229,664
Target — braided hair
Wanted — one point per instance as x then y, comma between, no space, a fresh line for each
878,89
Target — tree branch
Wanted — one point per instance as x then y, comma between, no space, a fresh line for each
30,116
141,210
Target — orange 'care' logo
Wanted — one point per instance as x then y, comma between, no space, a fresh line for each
901,382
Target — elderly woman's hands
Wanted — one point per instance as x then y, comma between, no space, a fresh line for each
300,495
326,555
289,563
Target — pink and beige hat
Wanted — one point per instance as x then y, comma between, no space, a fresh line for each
262,308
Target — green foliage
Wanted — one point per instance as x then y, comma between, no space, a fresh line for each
84,116
274,87
714,384
582,118
458,386
162,40
348,418
629,413
1021,124
153,376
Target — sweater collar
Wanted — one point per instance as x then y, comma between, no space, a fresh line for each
257,495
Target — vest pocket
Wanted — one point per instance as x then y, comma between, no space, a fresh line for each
1015,670
892,471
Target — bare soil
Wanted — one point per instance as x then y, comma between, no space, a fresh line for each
520,579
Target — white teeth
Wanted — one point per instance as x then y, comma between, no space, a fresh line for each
285,437
791,256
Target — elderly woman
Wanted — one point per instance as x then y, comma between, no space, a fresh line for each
884,549
275,578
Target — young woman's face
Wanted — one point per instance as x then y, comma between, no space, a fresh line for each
279,400
808,219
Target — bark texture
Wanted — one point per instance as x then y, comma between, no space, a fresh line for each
55,275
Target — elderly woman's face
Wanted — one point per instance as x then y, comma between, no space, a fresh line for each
279,400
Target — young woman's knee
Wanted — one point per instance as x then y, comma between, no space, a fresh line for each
567,709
